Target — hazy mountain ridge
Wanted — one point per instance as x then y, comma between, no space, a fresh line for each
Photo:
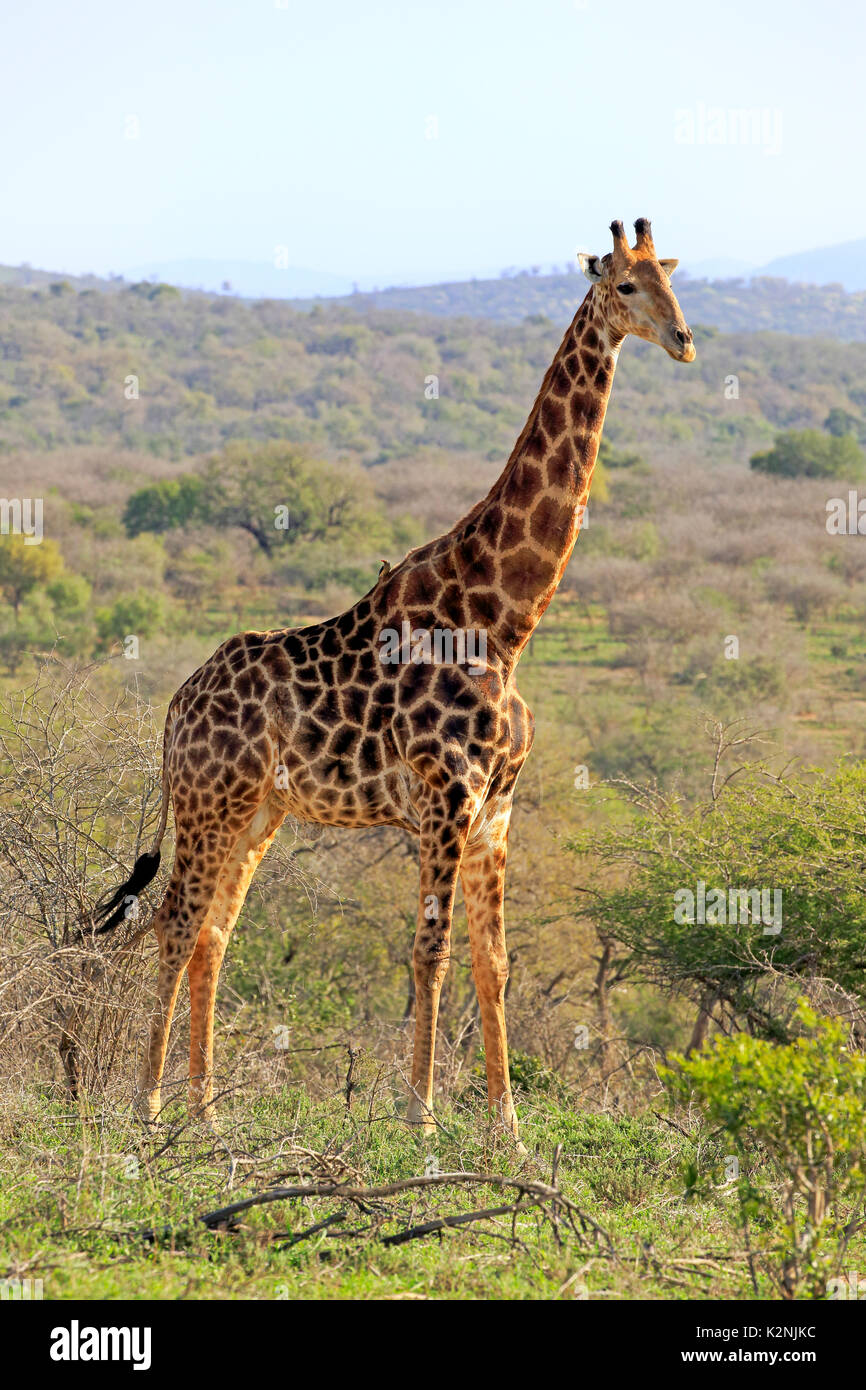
731,306
761,304
844,264
248,279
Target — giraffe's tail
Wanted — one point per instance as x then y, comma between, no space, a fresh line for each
112,913
144,870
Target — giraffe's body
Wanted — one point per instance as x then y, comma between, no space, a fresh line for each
315,723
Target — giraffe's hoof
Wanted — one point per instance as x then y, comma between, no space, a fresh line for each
511,1132
425,1129
146,1107
204,1116
420,1117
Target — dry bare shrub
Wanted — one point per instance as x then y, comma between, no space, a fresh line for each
79,792
605,578
809,590
738,546
849,559
80,788
91,474
683,543
671,621
435,486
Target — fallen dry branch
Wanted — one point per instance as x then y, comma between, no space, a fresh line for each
336,1219
441,1223
372,1202
528,1186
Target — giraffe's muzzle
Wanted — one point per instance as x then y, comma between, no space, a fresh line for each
682,346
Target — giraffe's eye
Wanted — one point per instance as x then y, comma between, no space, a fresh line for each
626,288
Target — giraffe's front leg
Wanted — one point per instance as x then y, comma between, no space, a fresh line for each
443,834
482,873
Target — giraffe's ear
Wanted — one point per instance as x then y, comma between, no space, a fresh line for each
591,266
669,267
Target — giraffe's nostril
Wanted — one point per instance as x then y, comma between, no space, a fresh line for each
683,336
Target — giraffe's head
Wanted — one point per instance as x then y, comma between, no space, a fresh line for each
634,292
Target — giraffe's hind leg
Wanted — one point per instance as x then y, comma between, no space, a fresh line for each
200,855
206,960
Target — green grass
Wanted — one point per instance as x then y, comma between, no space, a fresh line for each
80,1188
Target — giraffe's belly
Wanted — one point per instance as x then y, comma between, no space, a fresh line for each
326,791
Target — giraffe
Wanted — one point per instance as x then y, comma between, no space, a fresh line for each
357,721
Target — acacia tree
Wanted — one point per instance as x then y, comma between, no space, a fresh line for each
745,901
275,491
811,454
23,567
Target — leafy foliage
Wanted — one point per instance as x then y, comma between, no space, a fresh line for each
810,454
804,1105
792,853
165,505
273,491
24,566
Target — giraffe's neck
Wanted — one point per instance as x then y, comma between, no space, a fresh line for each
512,549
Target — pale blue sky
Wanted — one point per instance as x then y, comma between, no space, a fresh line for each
306,126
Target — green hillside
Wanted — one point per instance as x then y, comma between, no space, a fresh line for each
152,370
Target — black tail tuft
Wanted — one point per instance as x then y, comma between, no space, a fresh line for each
114,911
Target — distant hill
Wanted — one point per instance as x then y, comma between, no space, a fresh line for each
844,265
717,268
22,276
249,279
759,304
732,306
209,368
